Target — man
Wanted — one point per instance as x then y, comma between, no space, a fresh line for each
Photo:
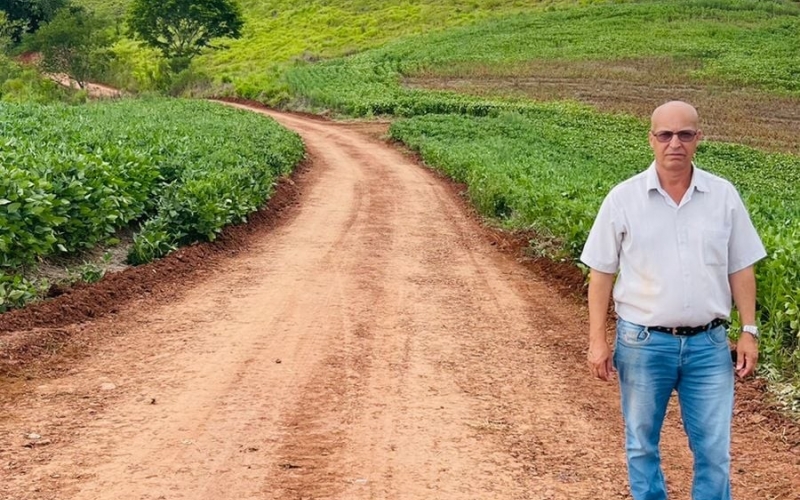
681,244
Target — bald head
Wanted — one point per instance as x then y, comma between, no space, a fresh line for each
674,111
674,135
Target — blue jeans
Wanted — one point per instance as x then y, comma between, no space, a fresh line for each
650,366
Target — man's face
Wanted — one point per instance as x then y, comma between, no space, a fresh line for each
674,137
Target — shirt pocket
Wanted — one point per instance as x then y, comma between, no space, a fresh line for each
715,248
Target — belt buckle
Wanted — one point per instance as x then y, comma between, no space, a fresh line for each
675,330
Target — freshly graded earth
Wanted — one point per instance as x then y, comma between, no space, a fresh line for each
364,337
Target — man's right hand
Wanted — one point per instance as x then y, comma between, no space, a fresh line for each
599,358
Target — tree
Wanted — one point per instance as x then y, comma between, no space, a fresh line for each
72,44
6,29
28,15
181,29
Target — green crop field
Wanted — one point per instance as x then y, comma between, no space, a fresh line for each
705,42
744,82
70,176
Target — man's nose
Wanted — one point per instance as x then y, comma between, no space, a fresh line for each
674,142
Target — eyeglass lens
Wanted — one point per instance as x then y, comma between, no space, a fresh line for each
683,135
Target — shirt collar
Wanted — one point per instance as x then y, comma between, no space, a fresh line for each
698,182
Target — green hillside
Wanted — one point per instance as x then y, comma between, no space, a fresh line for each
738,60
734,42
277,31
729,44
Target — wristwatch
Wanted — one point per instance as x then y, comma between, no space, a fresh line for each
752,330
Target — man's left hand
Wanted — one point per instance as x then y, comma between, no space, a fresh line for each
746,355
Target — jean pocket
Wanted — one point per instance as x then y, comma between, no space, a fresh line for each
715,248
718,335
632,335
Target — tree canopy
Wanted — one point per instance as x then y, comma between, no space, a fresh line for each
181,29
72,43
28,15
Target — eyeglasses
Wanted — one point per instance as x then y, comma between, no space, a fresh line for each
683,135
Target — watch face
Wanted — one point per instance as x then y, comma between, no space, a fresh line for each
752,330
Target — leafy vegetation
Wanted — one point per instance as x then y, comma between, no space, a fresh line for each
70,39
111,9
285,31
739,43
71,176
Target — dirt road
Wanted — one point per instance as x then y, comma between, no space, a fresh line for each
95,90
376,345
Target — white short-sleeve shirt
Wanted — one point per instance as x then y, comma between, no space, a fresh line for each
673,259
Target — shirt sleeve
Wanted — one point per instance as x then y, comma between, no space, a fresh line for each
745,247
601,251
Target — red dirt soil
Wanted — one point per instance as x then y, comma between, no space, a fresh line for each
362,337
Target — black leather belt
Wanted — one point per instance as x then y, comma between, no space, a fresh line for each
688,331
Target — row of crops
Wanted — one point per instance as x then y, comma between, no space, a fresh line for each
71,176
546,166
